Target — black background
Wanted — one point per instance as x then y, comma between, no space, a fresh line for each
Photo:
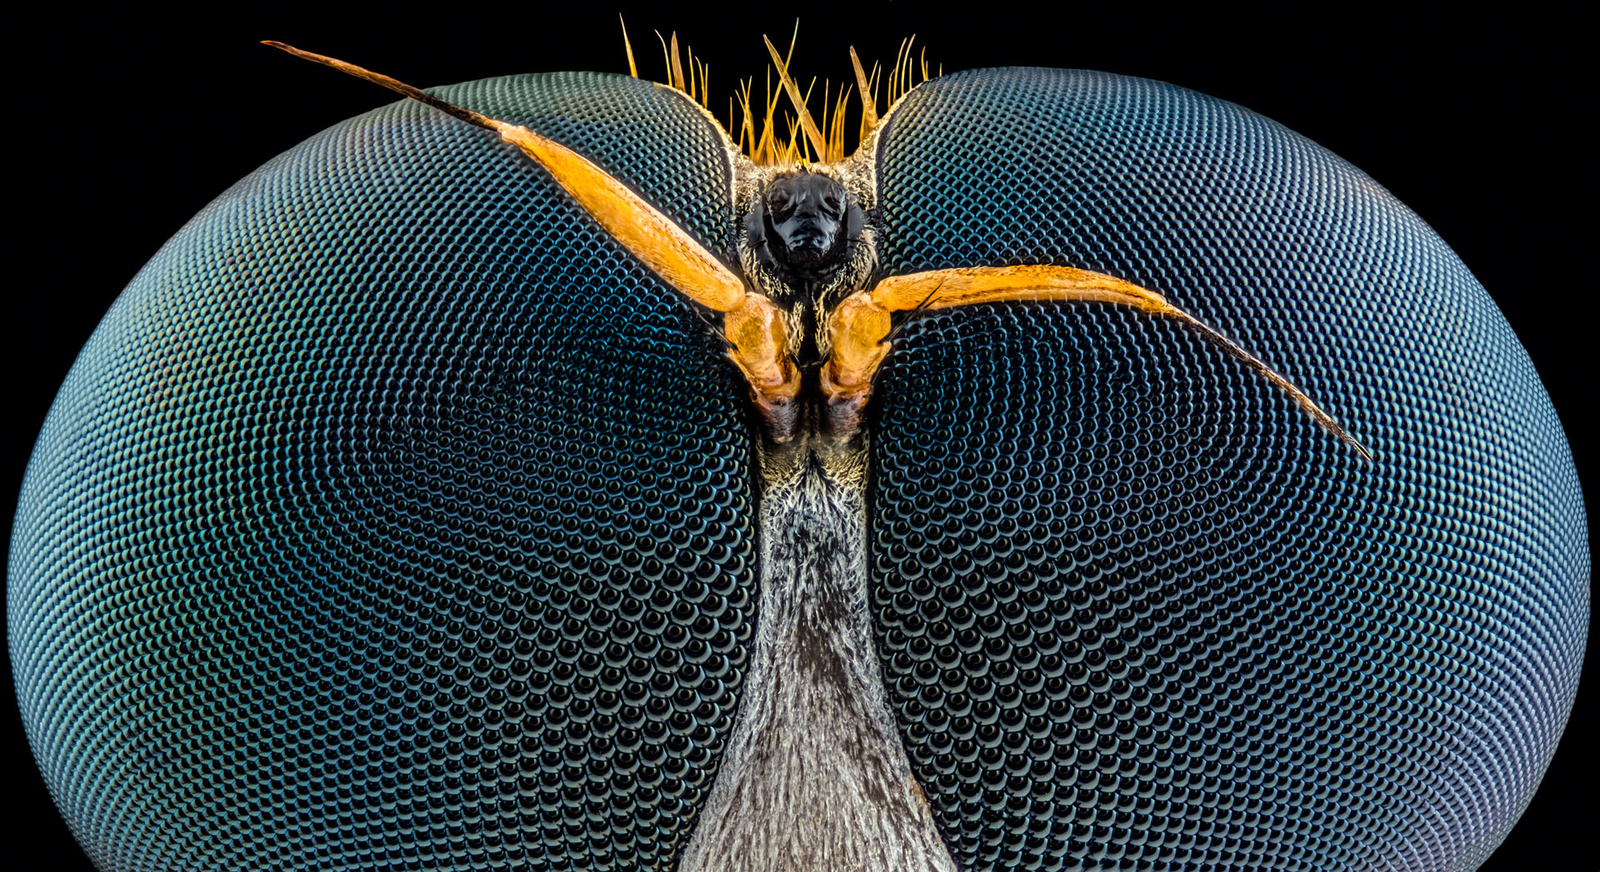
129,124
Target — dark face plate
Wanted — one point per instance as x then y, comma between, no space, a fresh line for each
799,223
359,537
1135,610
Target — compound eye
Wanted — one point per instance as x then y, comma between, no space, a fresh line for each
422,517
1102,555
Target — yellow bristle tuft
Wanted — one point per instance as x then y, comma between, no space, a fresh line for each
755,131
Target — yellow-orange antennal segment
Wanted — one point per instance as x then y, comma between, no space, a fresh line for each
752,322
652,237
859,327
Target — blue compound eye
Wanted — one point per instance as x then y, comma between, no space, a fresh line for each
360,517
1127,601
1105,478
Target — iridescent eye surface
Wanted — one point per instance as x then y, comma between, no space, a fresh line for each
1127,600
355,539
